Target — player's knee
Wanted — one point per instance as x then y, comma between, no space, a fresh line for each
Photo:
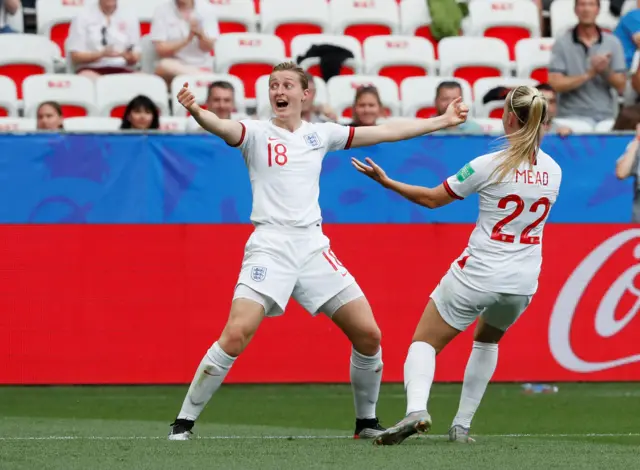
234,339
368,341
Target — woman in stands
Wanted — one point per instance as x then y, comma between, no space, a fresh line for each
367,107
288,255
141,114
183,33
49,116
494,279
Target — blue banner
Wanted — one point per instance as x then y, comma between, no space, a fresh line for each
51,178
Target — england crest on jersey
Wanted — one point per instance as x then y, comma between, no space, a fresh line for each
313,140
258,273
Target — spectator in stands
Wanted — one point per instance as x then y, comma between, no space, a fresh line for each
141,114
628,33
8,8
586,64
551,126
446,92
627,165
183,32
49,116
220,101
367,107
312,112
104,39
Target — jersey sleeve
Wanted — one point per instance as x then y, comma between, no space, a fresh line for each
247,143
469,179
338,137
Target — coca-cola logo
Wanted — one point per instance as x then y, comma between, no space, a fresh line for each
616,308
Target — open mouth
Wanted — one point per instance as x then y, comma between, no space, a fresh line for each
281,104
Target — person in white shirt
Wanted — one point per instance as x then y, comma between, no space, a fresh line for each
496,276
288,255
184,32
8,8
104,39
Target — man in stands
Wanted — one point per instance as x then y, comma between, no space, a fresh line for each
312,112
8,8
220,101
587,64
446,92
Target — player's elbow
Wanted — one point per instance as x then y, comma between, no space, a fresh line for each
427,201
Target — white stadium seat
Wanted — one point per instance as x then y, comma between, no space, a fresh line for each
22,55
576,125
322,94
508,20
342,91
364,18
472,58
263,104
54,18
199,85
563,17
173,124
533,57
301,45
92,124
493,109
144,11
419,95
490,125
248,56
415,19
398,57
288,19
235,16
13,124
75,94
605,126
113,92
8,97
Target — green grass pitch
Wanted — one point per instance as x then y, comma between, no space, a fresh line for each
584,426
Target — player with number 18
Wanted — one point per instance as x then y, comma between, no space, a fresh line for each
496,275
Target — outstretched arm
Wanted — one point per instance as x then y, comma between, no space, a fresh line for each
232,132
402,129
427,197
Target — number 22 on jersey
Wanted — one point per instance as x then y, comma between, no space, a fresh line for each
525,239
277,154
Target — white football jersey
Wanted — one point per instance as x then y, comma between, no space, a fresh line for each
284,168
504,254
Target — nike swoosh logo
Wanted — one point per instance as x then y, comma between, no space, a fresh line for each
273,138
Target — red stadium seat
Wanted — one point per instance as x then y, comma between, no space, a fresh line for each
472,58
398,57
364,18
22,55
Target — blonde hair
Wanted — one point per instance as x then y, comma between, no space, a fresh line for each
292,67
530,108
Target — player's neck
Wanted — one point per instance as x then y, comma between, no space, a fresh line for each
291,125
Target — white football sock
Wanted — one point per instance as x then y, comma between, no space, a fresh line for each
480,368
366,375
208,378
419,369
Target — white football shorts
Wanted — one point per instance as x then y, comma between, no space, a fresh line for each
281,263
460,304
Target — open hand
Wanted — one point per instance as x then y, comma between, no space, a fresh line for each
187,99
456,112
372,170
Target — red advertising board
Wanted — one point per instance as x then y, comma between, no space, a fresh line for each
141,304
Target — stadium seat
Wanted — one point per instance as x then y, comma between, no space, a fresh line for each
54,18
493,109
75,94
472,58
199,85
533,56
8,97
235,16
364,18
576,125
322,94
509,20
398,57
248,56
490,125
22,55
13,124
415,20
92,124
342,91
563,17
605,126
301,44
113,92
173,124
288,19
419,95
144,10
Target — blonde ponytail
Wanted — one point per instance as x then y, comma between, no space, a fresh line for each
530,108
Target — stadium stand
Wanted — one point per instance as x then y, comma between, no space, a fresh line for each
301,45
13,124
8,97
364,18
493,109
472,58
199,84
398,57
75,94
113,92
419,94
237,16
532,58
342,91
415,20
92,124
